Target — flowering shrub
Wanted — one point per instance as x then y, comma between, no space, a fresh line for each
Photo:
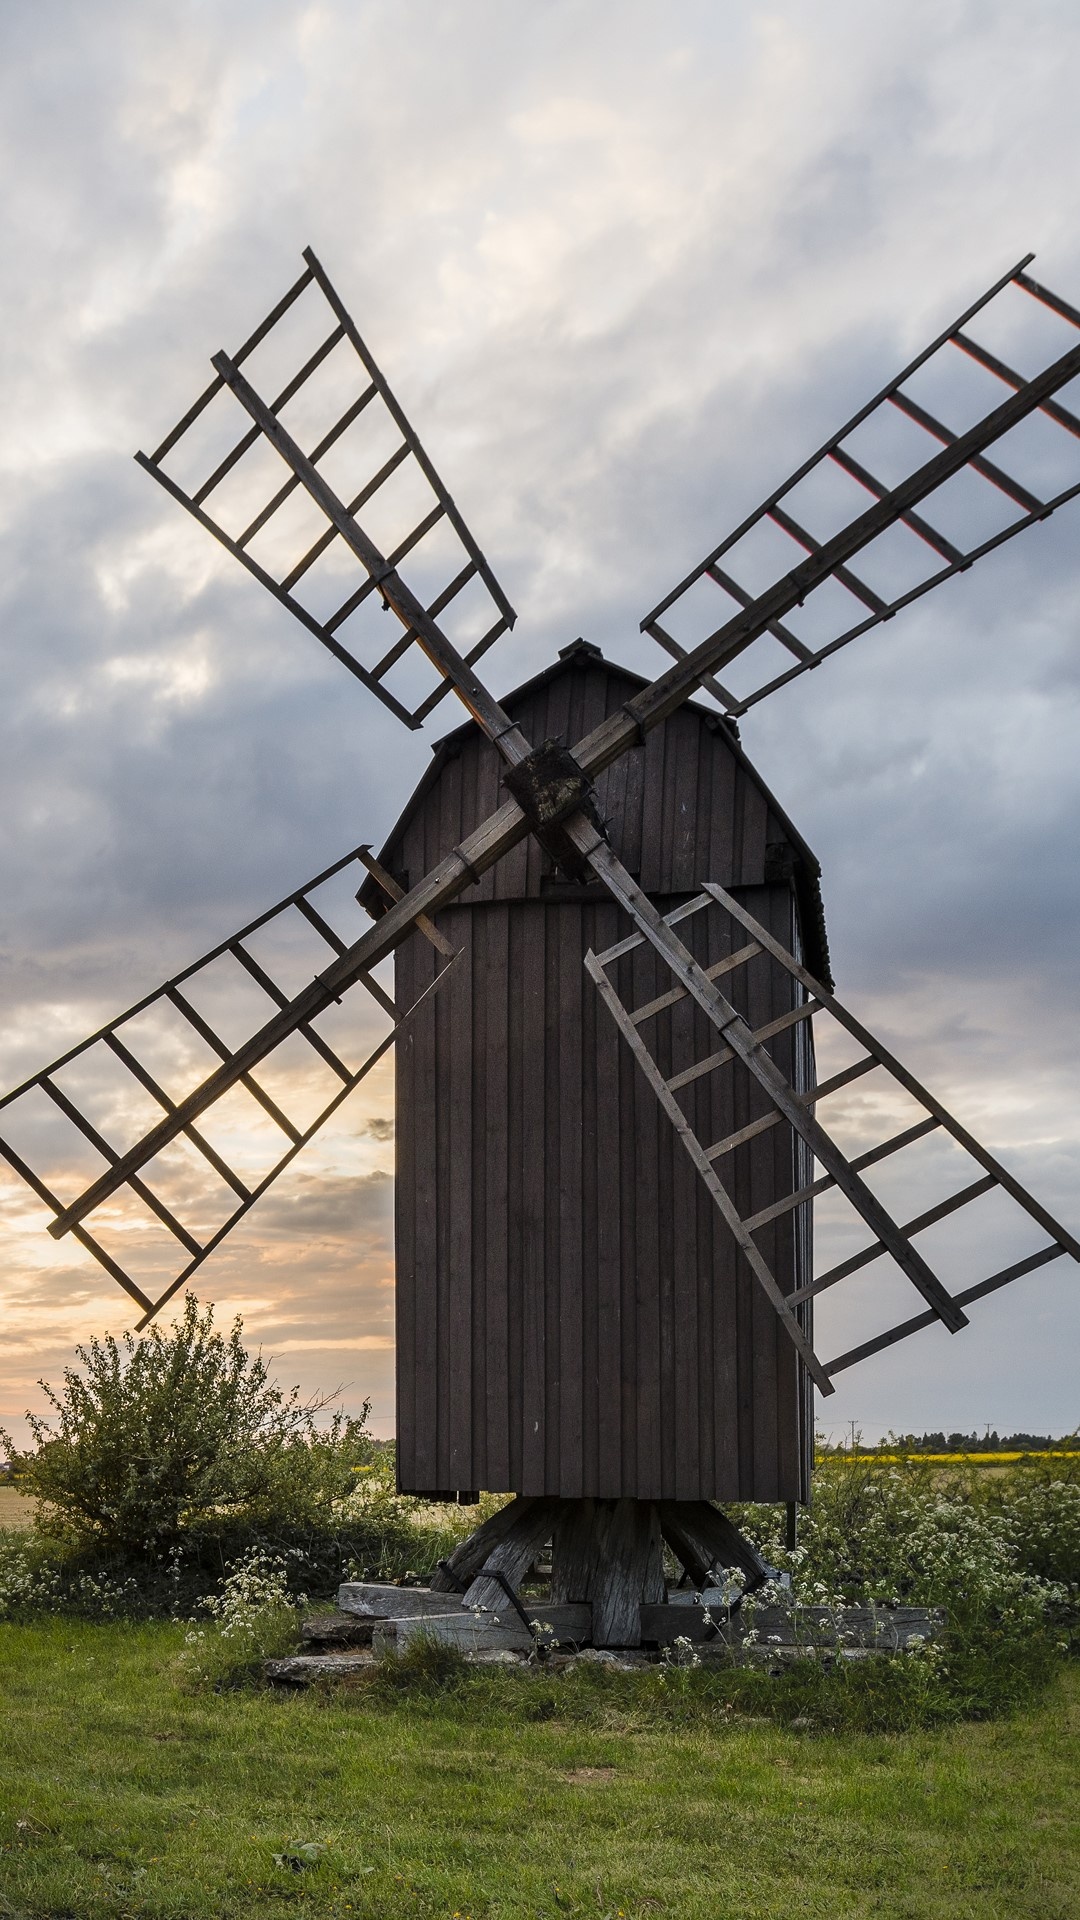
158,1433
31,1583
903,1535
1001,1556
1039,1515
250,1620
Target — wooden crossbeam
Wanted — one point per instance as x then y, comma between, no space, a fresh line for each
146,1079
443,655
768,1032
818,1092
604,744
930,1218
743,1043
281,999
721,1200
675,994
870,406
900,1074
138,1186
970,1294
987,469
868,1159
206,1032
395,892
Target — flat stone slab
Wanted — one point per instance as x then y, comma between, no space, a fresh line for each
373,1600
336,1632
564,1627
300,1669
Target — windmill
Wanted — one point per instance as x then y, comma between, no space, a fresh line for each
875,519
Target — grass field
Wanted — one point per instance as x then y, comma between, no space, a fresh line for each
121,1794
16,1510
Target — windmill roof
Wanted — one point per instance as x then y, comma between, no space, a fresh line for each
806,875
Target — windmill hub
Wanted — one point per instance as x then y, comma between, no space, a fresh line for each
549,786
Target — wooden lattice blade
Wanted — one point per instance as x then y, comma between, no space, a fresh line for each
797,1110
917,534
599,749
989,1171
192,1176
344,438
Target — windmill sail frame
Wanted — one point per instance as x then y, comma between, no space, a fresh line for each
539,807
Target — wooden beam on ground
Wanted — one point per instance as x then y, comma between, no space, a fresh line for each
501,1632
462,1566
511,1556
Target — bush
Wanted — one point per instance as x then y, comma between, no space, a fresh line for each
164,1432
1037,1507
1000,1555
168,1461
252,1619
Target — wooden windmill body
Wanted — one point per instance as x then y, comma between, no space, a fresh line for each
573,1318
609,951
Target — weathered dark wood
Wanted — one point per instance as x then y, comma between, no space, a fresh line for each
608,1552
573,1551
744,1044
469,1555
372,1600
390,887
722,1199
628,1567
706,1542
512,1555
603,1318
470,1633
500,1632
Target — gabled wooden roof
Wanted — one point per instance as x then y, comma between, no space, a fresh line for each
782,854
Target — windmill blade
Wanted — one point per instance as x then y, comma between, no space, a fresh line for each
300,534
551,786
192,1198
905,548
786,1104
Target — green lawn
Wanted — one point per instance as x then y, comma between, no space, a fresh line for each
121,1794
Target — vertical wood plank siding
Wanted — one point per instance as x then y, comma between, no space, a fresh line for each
572,1318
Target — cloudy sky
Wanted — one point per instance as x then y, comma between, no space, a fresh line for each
626,265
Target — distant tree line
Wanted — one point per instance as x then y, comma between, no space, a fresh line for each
988,1442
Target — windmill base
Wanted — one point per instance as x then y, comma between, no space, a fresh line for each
606,1554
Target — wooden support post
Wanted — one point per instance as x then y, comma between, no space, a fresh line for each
609,1552
512,1555
605,1554
462,1566
706,1543
791,1530
629,1569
